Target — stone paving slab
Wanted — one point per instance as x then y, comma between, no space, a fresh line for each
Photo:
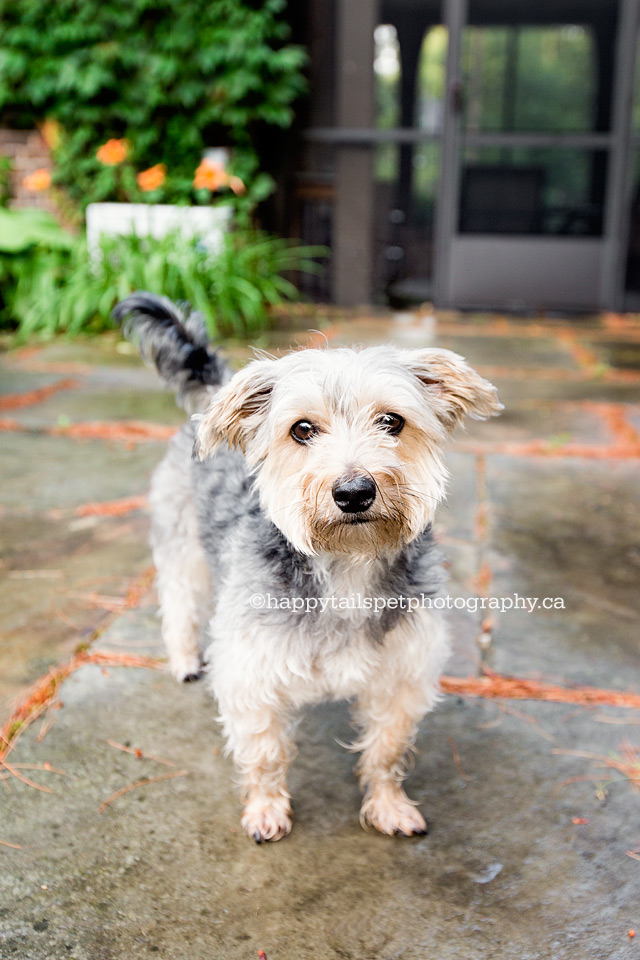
633,416
618,354
92,351
46,472
510,351
520,421
529,389
456,517
50,568
574,534
14,380
87,403
166,871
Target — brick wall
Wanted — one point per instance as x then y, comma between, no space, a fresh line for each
28,152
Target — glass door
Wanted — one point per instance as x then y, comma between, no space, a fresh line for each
409,70
531,138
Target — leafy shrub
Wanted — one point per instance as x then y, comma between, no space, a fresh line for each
172,77
6,168
51,285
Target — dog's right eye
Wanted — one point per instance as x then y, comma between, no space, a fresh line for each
303,431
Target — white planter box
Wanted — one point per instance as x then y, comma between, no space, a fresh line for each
209,224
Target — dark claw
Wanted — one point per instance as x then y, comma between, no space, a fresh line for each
257,837
190,677
414,833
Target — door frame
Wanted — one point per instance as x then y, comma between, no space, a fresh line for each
606,255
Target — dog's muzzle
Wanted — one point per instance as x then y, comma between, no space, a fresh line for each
355,495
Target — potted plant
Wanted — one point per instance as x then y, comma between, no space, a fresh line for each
207,218
153,203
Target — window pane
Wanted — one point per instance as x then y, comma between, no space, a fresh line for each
633,252
386,67
405,197
430,81
521,190
529,79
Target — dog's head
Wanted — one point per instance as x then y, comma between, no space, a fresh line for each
346,446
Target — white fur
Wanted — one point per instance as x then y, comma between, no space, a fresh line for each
263,669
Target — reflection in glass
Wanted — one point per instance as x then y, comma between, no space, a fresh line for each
409,79
530,190
403,235
386,67
530,79
632,280
430,81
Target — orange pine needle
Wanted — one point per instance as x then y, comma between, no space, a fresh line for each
30,783
14,846
39,766
45,690
139,754
15,401
627,763
134,431
140,783
6,423
111,508
496,687
528,719
456,759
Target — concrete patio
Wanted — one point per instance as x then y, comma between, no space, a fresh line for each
534,843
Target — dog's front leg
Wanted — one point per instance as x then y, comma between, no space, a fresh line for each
388,718
257,732
263,750
388,711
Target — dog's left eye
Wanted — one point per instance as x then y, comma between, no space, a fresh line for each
303,431
391,422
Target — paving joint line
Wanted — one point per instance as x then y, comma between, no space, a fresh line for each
127,431
483,577
30,398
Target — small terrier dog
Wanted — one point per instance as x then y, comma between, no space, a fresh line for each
300,498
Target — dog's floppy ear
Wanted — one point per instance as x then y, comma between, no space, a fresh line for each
237,409
454,388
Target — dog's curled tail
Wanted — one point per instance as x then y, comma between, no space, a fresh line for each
175,340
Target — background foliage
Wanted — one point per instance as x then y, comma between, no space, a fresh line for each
49,284
172,77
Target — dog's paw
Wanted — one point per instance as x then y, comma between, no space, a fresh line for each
186,667
267,818
390,811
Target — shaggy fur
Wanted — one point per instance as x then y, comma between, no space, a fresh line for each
343,511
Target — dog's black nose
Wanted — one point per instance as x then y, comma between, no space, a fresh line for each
354,496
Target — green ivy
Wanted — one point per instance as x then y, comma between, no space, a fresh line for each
171,76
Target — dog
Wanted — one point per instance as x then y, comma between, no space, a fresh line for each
299,497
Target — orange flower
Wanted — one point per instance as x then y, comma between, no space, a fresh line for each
113,152
38,180
237,185
153,178
210,176
50,131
